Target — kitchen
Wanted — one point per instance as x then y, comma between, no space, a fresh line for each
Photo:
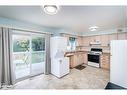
76,52
93,51
96,41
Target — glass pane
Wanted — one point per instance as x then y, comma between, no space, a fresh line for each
21,55
38,55
20,43
38,44
21,63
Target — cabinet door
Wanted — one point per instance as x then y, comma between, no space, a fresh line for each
97,38
112,37
74,60
85,58
104,40
79,41
86,41
105,61
91,39
81,58
122,36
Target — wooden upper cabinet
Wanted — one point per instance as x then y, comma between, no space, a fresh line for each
86,41
91,38
80,41
94,39
104,40
112,37
97,38
122,36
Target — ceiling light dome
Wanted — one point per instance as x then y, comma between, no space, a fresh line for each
51,9
93,28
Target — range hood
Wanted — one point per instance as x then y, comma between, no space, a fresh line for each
95,43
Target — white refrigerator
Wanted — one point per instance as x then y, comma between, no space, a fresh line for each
118,63
0,59
59,63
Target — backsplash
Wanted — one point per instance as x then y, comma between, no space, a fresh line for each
88,48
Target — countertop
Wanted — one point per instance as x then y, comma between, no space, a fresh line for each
76,51
71,53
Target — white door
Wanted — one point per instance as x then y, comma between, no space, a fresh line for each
118,66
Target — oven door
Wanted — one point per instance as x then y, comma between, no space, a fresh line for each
94,58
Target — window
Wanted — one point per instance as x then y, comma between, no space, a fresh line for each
72,43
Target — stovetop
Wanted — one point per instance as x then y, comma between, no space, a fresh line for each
95,51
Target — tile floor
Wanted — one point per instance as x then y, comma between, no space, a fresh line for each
88,78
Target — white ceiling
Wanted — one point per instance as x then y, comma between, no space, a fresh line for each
74,18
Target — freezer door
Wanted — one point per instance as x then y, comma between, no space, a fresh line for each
118,63
64,67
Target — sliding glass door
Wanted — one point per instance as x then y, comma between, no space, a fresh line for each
21,55
28,54
37,54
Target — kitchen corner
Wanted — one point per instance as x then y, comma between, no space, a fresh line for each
79,56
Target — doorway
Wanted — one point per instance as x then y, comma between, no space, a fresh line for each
28,54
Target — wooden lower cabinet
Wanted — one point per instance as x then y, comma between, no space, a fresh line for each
78,59
105,61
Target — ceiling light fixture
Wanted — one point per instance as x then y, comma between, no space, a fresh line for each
93,28
50,9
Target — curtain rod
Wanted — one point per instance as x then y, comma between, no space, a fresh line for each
27,30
